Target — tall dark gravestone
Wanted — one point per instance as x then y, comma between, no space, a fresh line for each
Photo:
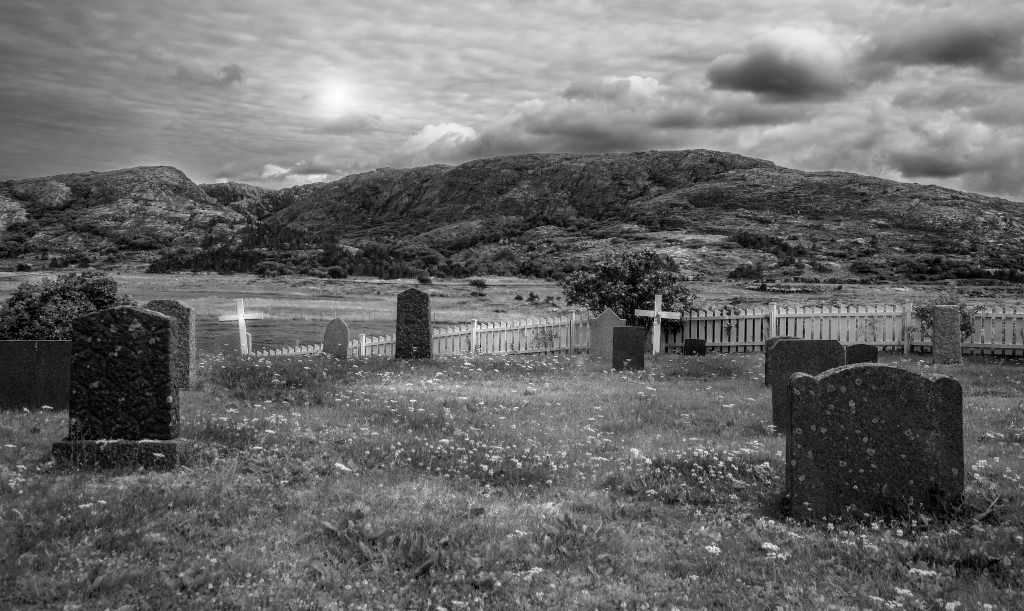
768,345
789,356
124,399
601,334
861,353
413,337
628,347
34,374
184,318
946,343
874,439
336,339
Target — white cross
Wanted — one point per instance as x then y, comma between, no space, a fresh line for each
244,339
657,314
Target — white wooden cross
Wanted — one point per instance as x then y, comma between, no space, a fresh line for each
657,314
244,339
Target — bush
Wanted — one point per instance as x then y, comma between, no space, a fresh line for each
627,281
479,283
424,277
336,271
45,310
747,271
271,269
23,267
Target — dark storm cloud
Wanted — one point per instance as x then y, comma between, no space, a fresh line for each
991,43
769,71
932,164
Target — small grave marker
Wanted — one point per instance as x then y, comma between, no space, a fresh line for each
185,330
628,347
697,347
336,339
874,439
861,353
946,347
656,315
413,336
789,356
601,334
124,403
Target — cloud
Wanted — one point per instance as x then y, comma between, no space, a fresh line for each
992,43
786,65
612,88
351,123
933,164
224,77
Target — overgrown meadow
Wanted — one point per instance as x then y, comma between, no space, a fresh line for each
497,483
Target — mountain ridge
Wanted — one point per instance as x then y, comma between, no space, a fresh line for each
716,213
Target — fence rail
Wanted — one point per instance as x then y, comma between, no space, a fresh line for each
893,327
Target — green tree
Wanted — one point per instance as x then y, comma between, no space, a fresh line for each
627,281
45,310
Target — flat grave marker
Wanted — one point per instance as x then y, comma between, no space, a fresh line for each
874,439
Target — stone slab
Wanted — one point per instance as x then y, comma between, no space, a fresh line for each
768,345
861,353
185,356
35,373
874,440
697,347
413,335
946,342
789,356
154,454
628,347
601,334
336,338
122,376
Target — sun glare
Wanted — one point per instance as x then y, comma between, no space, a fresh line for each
334,98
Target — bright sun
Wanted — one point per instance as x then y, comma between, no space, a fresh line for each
333,98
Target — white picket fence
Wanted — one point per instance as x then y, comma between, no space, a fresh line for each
525,336
997,330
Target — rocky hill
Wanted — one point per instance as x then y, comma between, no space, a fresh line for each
105,213
717,214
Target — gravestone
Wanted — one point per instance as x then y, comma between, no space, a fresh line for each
601,334
413,337
946,347
35,373
789,356
874,439
336,339
123,409
768,345
185,365
861,353
695,346
628,347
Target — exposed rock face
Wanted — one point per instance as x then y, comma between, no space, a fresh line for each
136,208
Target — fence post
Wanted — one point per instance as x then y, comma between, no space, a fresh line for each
473,338
773,319
362,345
572,332
908,318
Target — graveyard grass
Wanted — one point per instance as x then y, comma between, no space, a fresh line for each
497,483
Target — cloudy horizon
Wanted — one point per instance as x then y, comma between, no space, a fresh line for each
280,95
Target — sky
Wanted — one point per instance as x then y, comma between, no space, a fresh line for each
284,93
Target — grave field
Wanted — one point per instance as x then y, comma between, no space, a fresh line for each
498,483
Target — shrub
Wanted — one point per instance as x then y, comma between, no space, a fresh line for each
479,283
45,310
747,271
270,269
23,267
627,281
424,277
336,271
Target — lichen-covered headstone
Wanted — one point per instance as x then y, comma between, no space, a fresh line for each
693,346
601,334
336,339
861,353
768,345
789,356
413,337
946,348
185,364
874,439
628,347
123,409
